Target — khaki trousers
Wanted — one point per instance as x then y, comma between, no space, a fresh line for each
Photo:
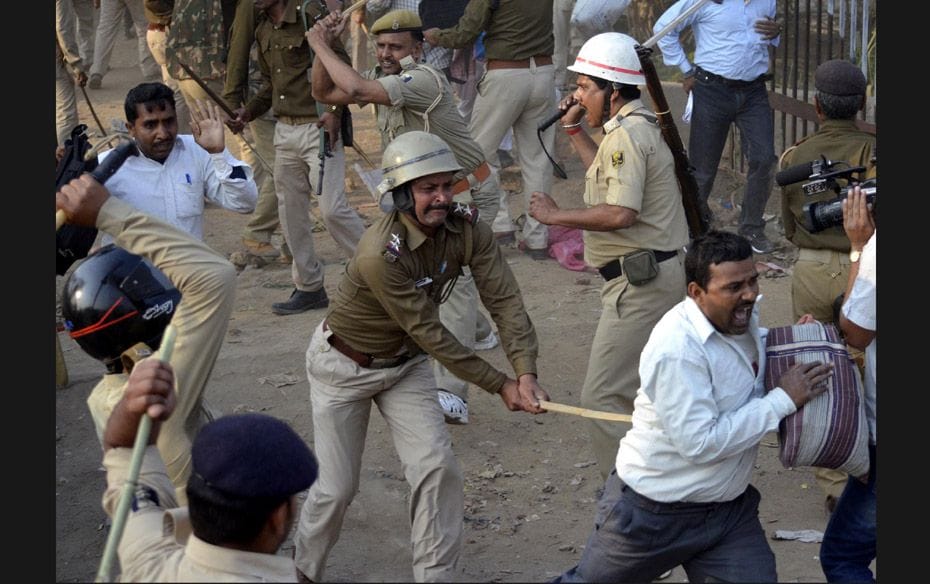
296,174
109,25
157,41
628,314
66,111
518,99
264,219
341,395
819,276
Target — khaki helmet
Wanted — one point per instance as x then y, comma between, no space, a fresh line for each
611,56
408,157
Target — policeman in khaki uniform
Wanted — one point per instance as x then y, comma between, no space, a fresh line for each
108,300
821,271
410,95
516,91
634,224
373,344
284,59
248,470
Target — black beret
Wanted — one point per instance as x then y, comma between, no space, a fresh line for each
253,455
839,77
397,21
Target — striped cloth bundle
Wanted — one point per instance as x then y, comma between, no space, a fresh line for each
830,431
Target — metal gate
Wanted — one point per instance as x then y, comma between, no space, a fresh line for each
816,31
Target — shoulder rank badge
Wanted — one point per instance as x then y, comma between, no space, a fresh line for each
465,211
616,158
392,248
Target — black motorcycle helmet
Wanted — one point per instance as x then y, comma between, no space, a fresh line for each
114,299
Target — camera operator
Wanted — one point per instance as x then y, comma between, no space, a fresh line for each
849,542
823,263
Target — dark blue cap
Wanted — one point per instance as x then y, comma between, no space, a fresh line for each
252,455
839,77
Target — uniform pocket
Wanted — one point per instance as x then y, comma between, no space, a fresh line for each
590,185
391,122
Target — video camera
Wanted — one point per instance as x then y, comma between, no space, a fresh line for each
821,177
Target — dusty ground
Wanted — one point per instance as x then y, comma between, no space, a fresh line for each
530,482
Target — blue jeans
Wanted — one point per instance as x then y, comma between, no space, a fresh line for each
848,546
716,106
635,539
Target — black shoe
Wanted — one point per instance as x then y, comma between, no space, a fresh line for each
301,301
760,243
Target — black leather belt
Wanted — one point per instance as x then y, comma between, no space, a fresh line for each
658,507
707,76
364,359
613,269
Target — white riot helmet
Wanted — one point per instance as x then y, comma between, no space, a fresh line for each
408,157
611,56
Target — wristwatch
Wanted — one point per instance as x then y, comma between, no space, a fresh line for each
854,255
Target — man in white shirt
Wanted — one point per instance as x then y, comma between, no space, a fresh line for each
174,174
726,78
680,493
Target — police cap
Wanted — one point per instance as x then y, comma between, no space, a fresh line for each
397,21
839,77
252,455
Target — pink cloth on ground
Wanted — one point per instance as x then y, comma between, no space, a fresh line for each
566,245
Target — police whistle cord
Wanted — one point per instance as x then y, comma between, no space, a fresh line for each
135,464
584,412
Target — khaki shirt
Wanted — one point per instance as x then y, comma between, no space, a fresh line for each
207,282
157,545
839,141
241,39
284,58
634,168
416,90
388,298
516,29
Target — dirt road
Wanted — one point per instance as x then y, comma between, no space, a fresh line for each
530,482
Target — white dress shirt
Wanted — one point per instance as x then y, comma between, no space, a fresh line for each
175,191
726,42
700,411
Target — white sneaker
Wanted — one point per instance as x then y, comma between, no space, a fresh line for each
453,407
488,342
